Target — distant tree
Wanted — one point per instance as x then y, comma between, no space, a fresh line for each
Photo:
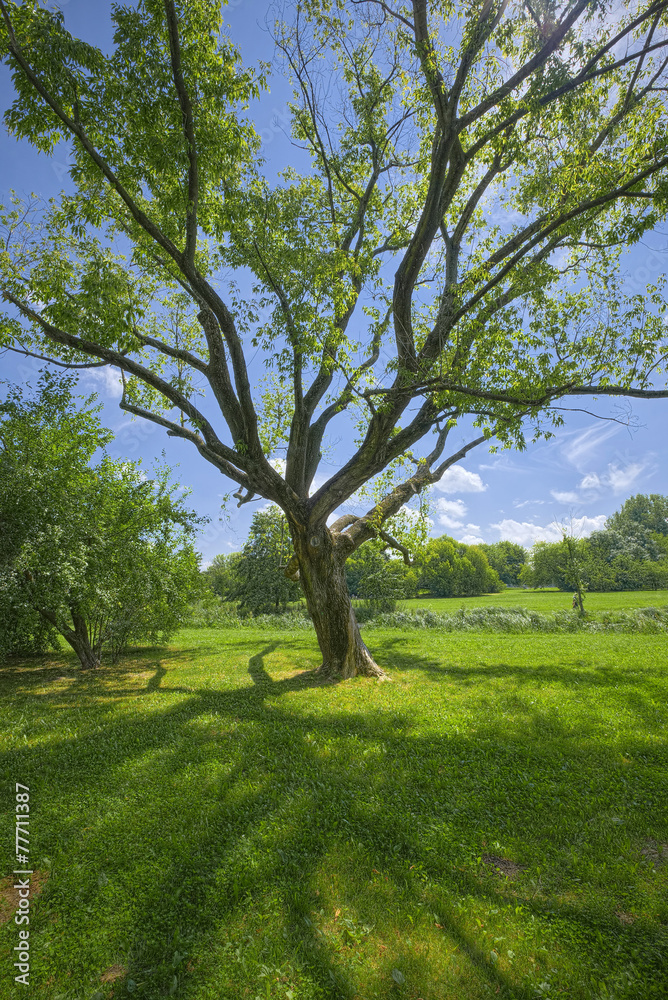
546,566
101,553
507,558
574,552
221,575
372,574
641,511
452,569
259,584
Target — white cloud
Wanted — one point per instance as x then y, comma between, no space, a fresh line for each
621,480
457,479
592,485
526,533
565,497
449,513
454,508
473,527
471,539
451,523
526,503
107,381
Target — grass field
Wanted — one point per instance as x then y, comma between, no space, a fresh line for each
546,601
208,822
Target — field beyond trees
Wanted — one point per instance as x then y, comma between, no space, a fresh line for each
209,821
546,601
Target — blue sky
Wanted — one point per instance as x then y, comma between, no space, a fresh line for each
584,473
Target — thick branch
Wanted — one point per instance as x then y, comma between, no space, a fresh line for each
126,364
188,131
175,430
393,543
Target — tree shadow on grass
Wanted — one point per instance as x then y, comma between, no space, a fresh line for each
569,671
241,806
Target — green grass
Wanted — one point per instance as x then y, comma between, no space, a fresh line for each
216,825
546,601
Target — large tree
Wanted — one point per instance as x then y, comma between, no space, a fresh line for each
449,256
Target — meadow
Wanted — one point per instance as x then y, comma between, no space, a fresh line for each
210,821
544,601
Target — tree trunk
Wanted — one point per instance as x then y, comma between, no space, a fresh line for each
77,638
323,580
80,642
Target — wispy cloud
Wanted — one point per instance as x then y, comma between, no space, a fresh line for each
565,496
582,447
616,479
105,380
526,503
621,480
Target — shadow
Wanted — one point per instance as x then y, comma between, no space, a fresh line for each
256,667
193,828
155,681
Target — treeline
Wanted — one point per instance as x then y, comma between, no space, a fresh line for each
253,578
630,553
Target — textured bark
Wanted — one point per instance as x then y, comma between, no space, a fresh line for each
323,580
77,638
80,642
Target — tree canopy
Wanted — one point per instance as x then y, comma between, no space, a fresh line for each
448,256
100,553
648,512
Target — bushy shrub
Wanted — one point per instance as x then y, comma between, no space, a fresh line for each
22,631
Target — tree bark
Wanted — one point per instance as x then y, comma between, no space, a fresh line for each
323,580
80,642
77,638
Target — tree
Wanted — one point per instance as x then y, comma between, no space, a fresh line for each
546,566
507,558
372,574
379,579
641,512
100,553
259,584
452,569
221,575
449,256
574,552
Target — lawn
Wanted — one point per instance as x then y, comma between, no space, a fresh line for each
208,822
546,601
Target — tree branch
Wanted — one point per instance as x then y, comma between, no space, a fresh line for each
77,130
175,430
188,131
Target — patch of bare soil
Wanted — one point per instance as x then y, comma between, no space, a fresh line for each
655,852
625,918
9,896
113,973
503,865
